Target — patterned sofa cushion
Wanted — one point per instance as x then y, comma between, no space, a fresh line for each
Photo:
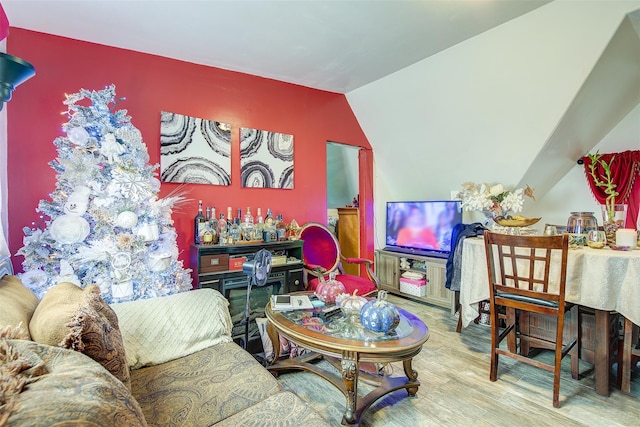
284,409
203,388
54,386
158,330
71,317
17,304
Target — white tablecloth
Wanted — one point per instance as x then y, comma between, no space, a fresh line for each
602,279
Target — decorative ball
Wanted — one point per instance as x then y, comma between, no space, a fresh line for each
380,315
69,229
78,135
127,219
328,290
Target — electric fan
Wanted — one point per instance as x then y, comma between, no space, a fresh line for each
257,270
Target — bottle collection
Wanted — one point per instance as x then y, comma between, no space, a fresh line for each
212,230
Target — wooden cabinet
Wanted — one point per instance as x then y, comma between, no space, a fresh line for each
349,237
389,268
387,271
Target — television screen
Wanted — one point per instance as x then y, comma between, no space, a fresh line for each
422,225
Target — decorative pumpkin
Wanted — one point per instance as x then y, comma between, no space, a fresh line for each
380,315
328,290
351,304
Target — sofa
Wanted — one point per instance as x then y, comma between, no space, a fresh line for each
166,361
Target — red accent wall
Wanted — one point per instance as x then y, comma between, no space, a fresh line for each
152,84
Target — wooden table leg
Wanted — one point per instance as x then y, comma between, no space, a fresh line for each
350,369
602,356
412,376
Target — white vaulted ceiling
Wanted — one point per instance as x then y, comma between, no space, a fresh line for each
331,45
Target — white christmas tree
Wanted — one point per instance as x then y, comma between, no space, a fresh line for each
105,223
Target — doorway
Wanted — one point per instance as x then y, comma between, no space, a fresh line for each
343,183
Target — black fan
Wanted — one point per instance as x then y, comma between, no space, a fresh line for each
257,270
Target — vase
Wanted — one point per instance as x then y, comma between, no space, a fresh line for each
614,217
579,225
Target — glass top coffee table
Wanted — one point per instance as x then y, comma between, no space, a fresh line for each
344,339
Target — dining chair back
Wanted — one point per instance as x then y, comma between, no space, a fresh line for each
321,255
630,353
528,274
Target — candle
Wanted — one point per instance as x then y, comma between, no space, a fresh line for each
626,237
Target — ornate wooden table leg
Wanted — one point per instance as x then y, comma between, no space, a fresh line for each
350,369
412,376
274,337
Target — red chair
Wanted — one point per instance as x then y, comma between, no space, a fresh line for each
321,255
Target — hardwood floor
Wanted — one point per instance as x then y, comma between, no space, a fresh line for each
454,372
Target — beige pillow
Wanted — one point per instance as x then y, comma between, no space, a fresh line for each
158,330
79,319
45,386
17,304
56,309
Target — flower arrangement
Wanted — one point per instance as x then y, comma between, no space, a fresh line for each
494,200
604,181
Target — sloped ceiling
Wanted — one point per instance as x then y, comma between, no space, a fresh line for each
331,45
611,90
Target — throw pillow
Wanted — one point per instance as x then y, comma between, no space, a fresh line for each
161,329
17,304
79,319
42,385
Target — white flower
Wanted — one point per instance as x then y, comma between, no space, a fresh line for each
496,190
513,201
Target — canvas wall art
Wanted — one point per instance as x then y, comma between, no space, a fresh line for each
266,159
194,150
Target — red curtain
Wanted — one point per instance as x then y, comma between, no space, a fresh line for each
625,171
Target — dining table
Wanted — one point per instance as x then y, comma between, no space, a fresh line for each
605,280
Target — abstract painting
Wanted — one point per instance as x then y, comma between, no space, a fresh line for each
194,150
266,159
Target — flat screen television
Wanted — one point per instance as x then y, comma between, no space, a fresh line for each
422,228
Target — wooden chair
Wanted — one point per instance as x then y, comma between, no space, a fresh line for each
629,354
519,276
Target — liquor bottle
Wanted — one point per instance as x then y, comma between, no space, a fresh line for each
223,231
247,226
229,217
213,225
234,231
208,215
199,223
258,227
281,228
270,225
207,236
248,218
259,219
269,221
